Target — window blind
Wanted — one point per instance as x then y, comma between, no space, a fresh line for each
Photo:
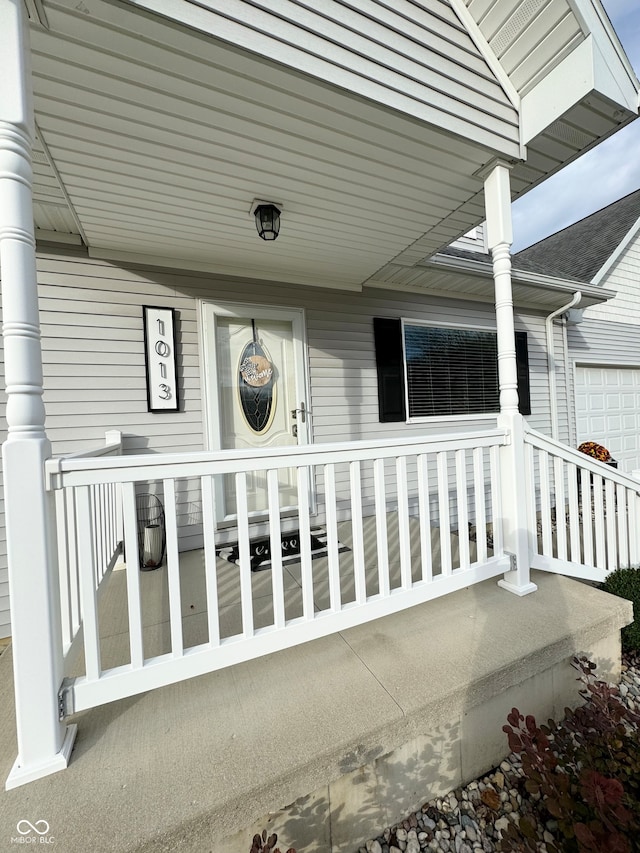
450,371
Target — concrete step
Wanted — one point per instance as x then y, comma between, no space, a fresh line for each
354,730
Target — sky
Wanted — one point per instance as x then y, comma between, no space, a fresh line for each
606,173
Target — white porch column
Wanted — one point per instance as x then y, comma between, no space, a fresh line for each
44,744
497,194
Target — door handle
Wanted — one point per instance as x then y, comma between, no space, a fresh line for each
303,413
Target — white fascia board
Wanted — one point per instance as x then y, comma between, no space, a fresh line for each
566,85
177,263
591,14
594,66
615,256
468,266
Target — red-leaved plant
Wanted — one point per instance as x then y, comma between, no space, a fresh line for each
583,774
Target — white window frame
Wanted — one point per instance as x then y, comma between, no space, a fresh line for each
472,327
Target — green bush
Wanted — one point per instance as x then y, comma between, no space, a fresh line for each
626,584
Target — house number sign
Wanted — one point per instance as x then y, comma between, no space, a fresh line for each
160,359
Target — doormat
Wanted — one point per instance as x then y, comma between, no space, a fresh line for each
260,549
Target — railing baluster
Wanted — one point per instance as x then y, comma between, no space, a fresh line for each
102,538
64,568
561,510
545,503
134,599
355,482
530,480
404,541
210,559
86,555
246,593
574,519
587,517
496,501
275,541
332,536
443,511
598,502
424,514
621,514
462,504
610,514
382,543
634,554
479,505
173,568
304,532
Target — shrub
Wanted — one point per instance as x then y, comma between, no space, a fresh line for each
583,774
626,584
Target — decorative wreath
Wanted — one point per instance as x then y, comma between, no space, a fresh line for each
596,451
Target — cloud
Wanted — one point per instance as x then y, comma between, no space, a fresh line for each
598,178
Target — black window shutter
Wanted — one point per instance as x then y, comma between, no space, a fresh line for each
522,359
387,335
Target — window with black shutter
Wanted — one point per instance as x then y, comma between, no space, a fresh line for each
441,371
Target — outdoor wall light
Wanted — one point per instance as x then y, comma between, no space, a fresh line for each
267,216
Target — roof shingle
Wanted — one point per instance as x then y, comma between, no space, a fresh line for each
580,250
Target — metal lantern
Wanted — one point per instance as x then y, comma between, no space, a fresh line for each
151,531
267,221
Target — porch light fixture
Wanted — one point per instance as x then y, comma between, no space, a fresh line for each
267,217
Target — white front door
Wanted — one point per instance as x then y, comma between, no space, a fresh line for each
256,392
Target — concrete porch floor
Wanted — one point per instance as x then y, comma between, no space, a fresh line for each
154,591
354,729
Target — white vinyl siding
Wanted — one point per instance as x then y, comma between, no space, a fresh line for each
624,278
94,369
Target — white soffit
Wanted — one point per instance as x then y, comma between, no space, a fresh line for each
51,209
162,137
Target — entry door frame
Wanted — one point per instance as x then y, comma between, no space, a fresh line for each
210,310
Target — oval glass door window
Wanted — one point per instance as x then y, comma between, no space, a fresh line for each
256,386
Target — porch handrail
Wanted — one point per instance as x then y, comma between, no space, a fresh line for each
112,445
425,518
570,454
584,516
106,533
83,470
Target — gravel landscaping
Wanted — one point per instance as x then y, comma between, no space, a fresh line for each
472,818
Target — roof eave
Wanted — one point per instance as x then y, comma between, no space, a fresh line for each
591,294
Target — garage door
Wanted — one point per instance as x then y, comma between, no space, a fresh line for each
608,411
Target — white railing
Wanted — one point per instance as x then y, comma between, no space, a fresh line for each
583,515
404,521
103,530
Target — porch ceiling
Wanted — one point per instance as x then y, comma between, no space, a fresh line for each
153,140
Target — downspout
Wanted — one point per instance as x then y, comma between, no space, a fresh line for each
551,362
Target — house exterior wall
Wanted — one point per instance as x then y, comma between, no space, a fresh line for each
608,335
623,277
94,366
